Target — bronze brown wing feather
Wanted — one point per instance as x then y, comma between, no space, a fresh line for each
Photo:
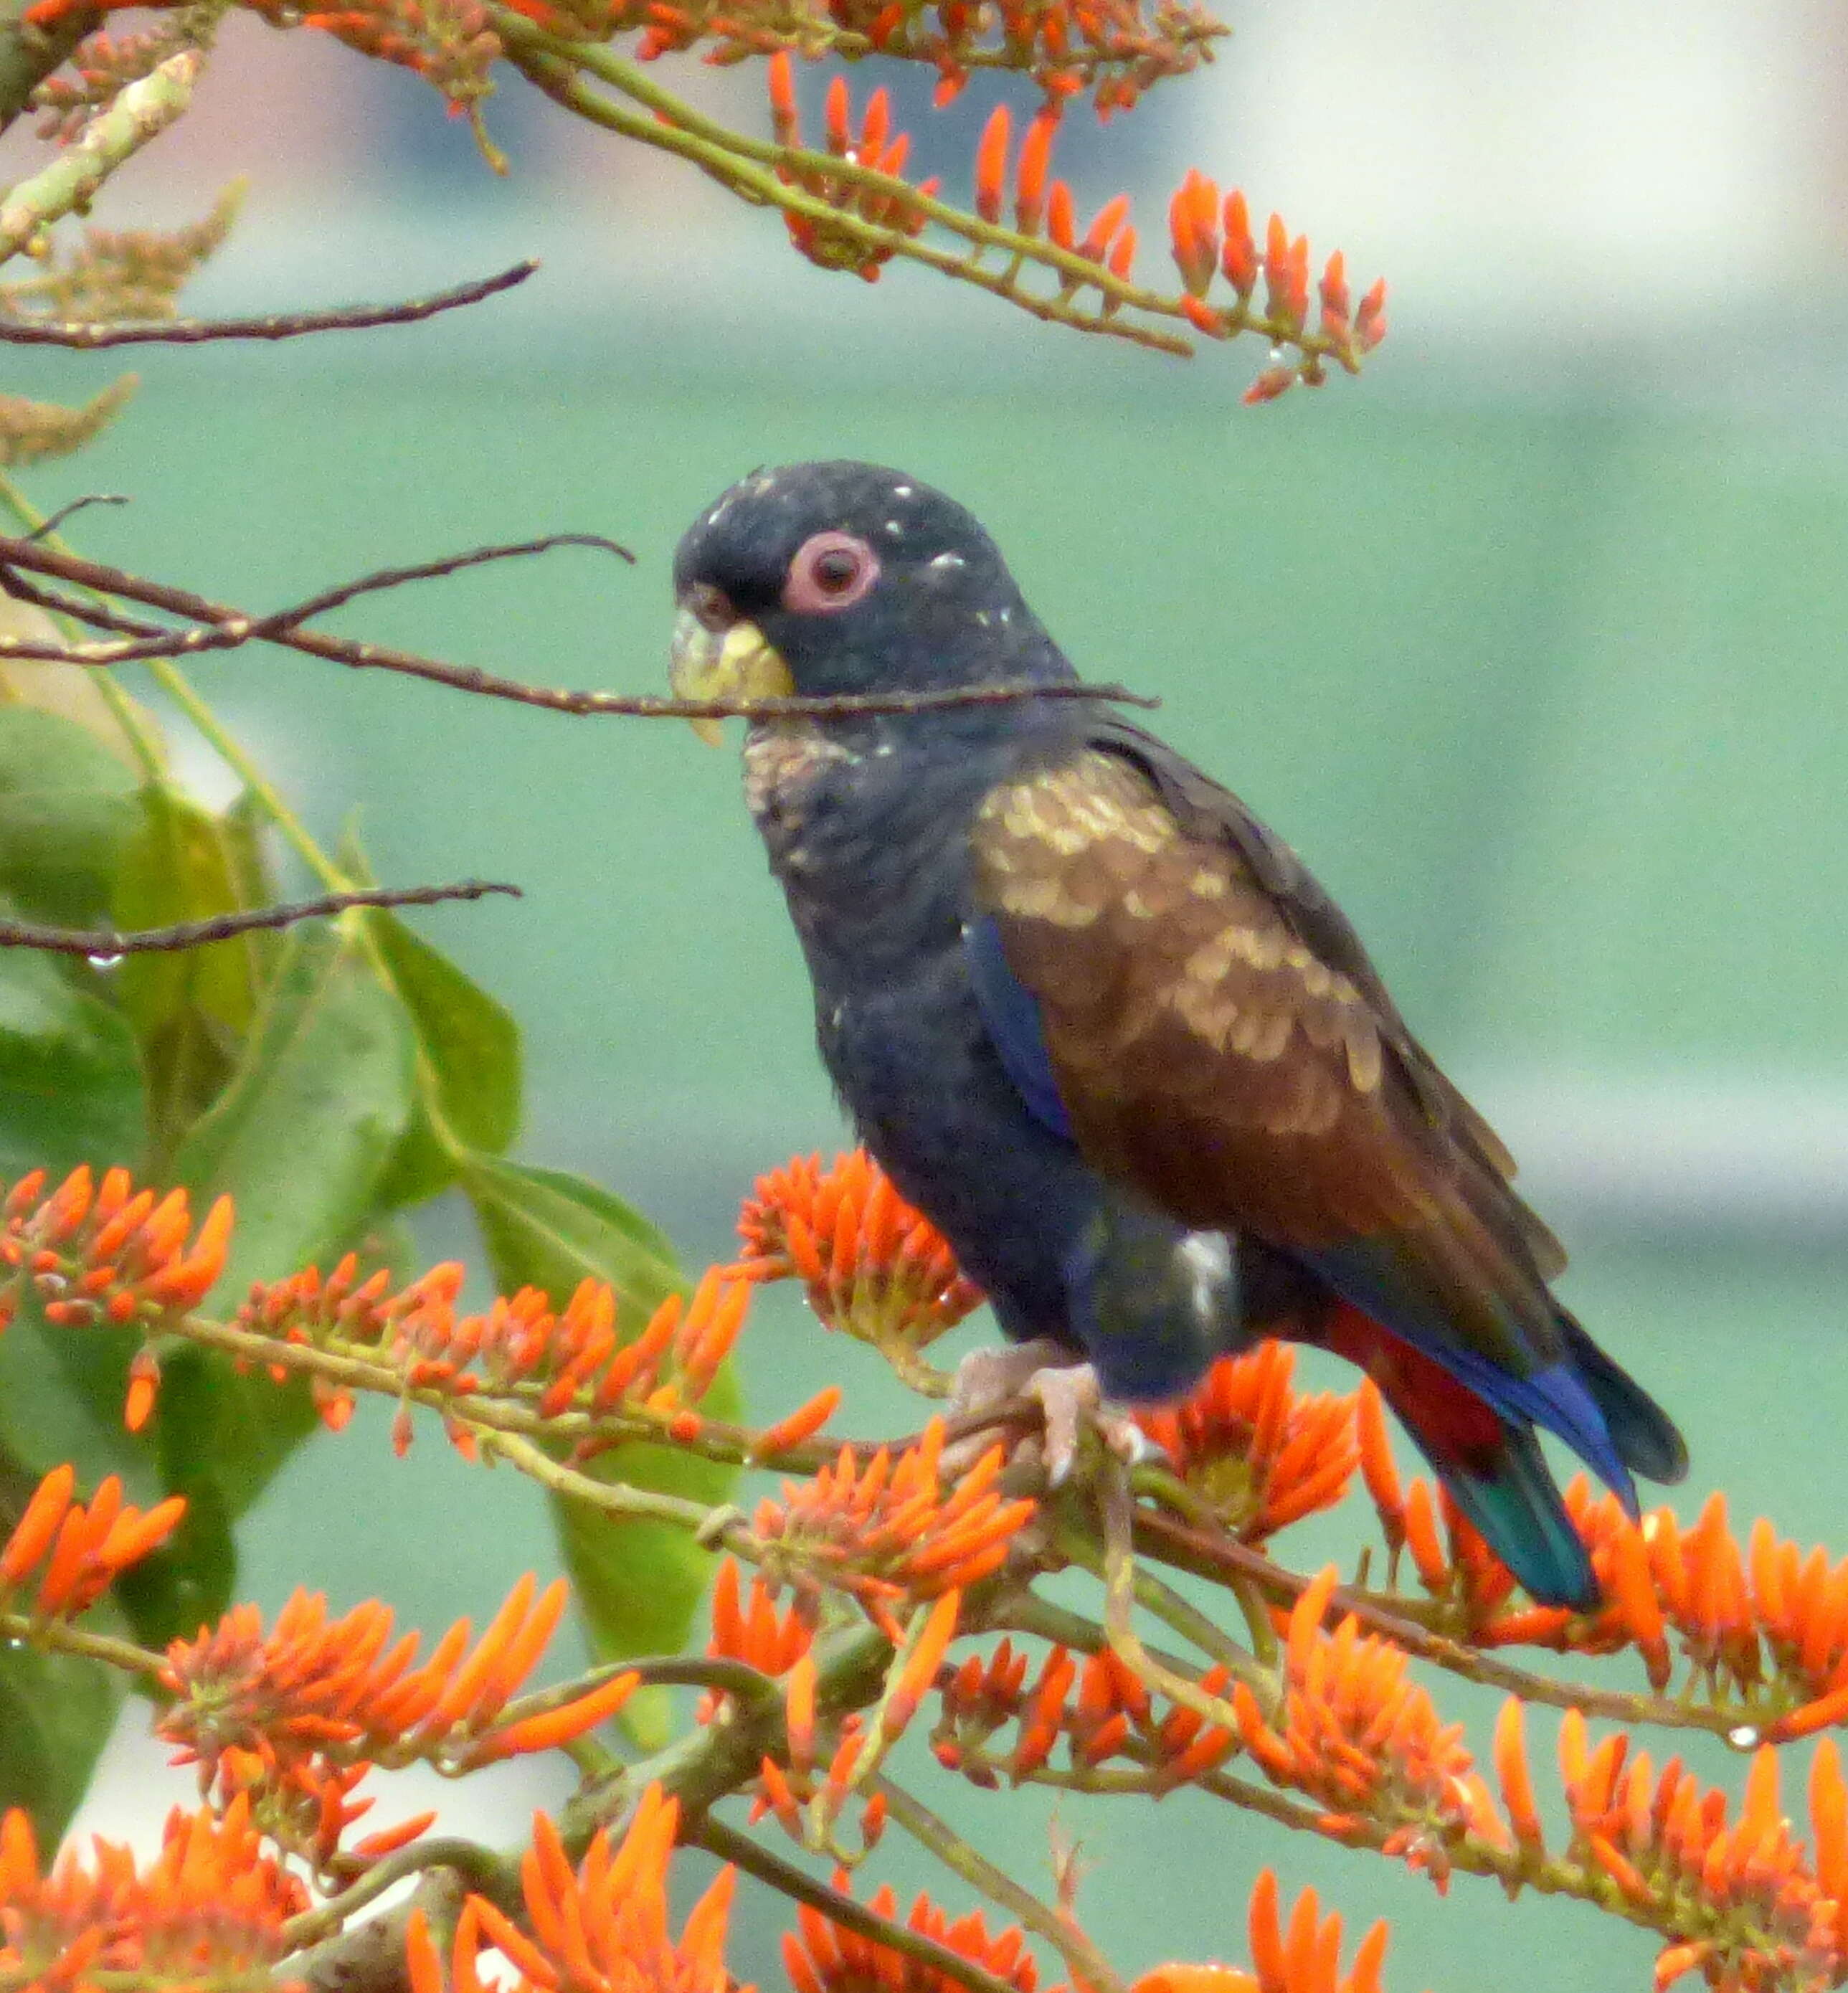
1221,1043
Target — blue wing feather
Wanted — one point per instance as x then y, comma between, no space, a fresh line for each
1011,1014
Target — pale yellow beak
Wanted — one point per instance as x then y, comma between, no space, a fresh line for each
738,662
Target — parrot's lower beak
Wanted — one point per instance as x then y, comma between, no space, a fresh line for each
736,662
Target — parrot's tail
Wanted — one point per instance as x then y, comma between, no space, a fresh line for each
1491,1464
1646,1439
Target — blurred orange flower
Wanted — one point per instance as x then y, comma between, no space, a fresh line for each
293,1717
820,1957
1358,1733
83,1551
601,1928
109,1254
210,1906
1301,1957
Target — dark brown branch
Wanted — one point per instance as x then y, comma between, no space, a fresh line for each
105,945
214,626
281,325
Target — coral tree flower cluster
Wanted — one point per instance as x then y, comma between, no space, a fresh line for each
209,1909
1362,1736
1094,1702
874,146
1262,1454
78,1551
556,1359
820,1957
110,1254
601,1927
295,1717
890,1527
872,1265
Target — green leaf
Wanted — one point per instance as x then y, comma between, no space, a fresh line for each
190,1008
71,1080
638,1581
468,1064
61,1393
65,806
321,1097
550,1228
56,1712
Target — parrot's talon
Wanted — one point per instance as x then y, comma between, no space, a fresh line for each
1067,1394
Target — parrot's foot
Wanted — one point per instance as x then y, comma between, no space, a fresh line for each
1066,1392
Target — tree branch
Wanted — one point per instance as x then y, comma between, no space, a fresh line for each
281,325
105,946
214,626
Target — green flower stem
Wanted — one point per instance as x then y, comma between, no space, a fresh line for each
179,688
127,712
485,1873
1080,1546
1087,1965
59,1637
140,112
747,167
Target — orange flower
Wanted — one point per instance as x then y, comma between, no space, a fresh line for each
1111,1715
888,1527
601,1928
111,1255
571,1358
821,1957
1358,1734
876,147
750,1630
873,1266
210,1905
1753,1907
83,1551
1262,1455
289,1715
1301,1956
447,41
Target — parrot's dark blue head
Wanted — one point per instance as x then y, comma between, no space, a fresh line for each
823,579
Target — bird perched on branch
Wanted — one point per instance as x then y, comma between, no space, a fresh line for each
1104,1027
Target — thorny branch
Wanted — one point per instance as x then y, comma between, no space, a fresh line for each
212,626
107,944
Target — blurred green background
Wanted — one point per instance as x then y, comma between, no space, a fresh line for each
1545,680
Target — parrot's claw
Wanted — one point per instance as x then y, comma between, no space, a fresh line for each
1066,1392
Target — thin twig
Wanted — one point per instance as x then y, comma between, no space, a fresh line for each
1087,1965
281,325
717,1837
106,946
214,626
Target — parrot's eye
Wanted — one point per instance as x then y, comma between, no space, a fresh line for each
831,571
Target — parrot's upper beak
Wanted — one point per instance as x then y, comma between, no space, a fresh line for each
733,660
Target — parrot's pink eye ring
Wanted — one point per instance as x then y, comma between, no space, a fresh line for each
831,571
